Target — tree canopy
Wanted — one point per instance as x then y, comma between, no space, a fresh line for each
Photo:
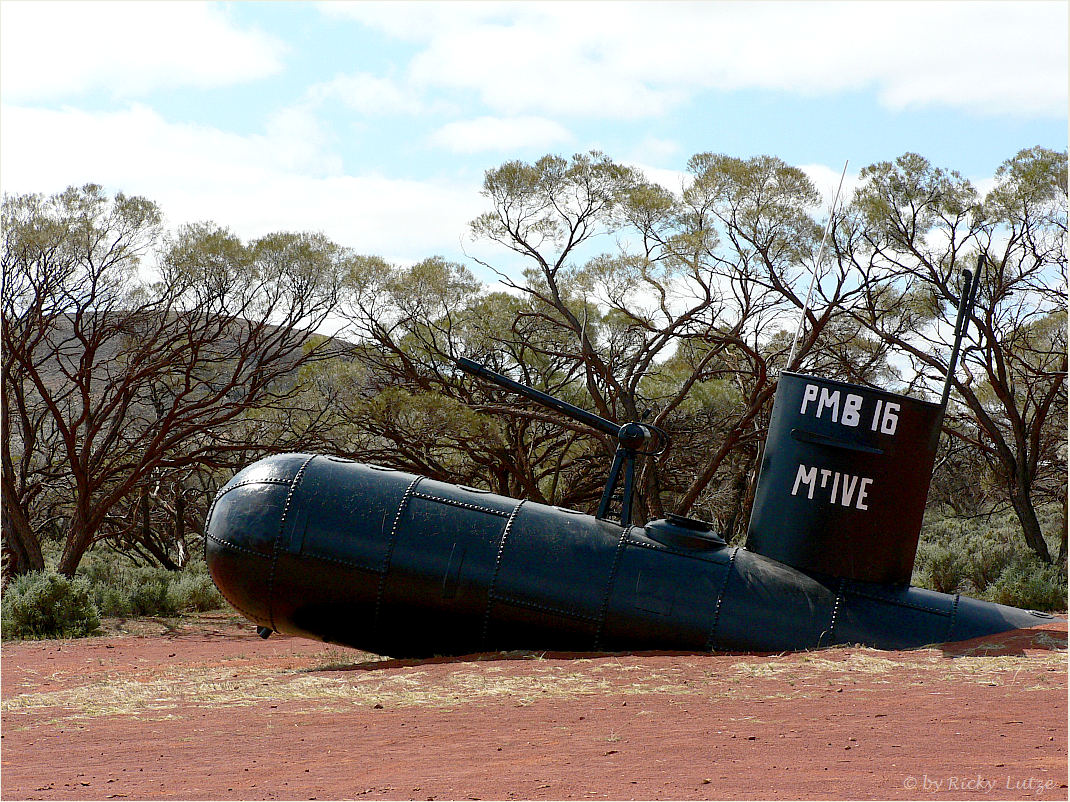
142,366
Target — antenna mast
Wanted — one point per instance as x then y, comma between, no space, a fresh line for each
817,266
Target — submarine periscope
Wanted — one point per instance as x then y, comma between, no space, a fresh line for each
381,560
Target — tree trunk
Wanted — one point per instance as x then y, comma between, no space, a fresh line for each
1027,516
735,525
1062,538
180,531
158,553
77,542
649,491
145,537
20,543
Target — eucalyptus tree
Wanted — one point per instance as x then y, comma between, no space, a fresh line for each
911,230
711,272
115,384
406,406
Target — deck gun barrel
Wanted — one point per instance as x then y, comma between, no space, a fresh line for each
565,408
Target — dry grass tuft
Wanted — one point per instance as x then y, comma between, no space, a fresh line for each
339,679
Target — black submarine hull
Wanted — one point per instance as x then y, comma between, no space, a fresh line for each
385,561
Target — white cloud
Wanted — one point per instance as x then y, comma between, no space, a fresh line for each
62,49
415,21
253,184
296,141
137,146
631,60
652,148
675,181
826,180
368,94
493,133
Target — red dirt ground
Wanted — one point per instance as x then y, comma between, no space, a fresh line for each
201,708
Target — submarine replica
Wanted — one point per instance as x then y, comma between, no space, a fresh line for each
385,561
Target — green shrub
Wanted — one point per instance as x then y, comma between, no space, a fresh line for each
123,590
110,600
194,592
147,594
988,559
1030,583
44,604
986,562
945,569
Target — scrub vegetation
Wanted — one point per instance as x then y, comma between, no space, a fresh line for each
143,366
46,604
983,558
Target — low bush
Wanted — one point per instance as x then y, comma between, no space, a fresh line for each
48,605
194,592
986,558
123,590
1030,583
44,604
943,569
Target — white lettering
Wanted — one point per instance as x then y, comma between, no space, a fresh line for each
891,419
851,407
829,400
848,491
876,417
808,477
809,394
862,493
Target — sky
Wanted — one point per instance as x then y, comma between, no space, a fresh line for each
375,122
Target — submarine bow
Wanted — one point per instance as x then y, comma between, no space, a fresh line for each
378,559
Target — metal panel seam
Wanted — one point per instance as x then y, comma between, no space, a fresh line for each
545,608
954,618
409,491
693,554
282,528
462,504
248,482
609,587
831,631
854,591
712,639
372,569
497,567
235,546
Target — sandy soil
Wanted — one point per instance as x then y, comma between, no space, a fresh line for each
201,708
